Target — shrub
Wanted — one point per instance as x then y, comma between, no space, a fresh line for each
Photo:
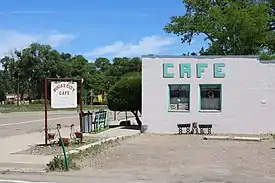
125,95
57,164
266,56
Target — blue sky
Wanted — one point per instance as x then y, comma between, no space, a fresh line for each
93,28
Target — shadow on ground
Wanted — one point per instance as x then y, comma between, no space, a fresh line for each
128,127
132,127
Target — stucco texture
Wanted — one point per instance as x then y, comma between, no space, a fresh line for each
248,95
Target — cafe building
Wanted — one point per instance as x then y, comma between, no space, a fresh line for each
236,94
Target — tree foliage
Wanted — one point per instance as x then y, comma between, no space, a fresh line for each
244,27
3,82
125,95
24,70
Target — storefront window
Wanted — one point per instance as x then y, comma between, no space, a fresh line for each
179,95
210,97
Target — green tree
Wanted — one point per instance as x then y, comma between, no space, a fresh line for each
271,38
132,74
3,86
232,27
24,70
8,72
102,64
189,54
119,67
35,63
125,95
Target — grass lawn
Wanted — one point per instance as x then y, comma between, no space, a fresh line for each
40,107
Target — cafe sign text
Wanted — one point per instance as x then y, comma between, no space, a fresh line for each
63,94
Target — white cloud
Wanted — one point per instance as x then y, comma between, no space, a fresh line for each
23,12
10,40
31,12
147,45
59,39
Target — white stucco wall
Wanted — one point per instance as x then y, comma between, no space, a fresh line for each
246,84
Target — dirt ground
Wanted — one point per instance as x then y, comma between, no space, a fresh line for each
183,159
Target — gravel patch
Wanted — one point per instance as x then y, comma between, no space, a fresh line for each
180,159
97,156
77,160
55,149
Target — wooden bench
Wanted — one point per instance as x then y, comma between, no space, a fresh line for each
205,126
181,126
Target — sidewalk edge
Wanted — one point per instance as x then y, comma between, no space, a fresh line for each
5,170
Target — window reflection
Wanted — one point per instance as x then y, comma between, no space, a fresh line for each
179,97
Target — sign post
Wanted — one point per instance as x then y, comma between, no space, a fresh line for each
63,95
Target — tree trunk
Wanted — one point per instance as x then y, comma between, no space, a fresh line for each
22,95
137,118
29,96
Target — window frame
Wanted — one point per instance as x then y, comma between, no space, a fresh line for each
200,99
169,99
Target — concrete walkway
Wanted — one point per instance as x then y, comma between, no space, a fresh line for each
13,144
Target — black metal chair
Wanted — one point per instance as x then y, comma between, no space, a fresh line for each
181,126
